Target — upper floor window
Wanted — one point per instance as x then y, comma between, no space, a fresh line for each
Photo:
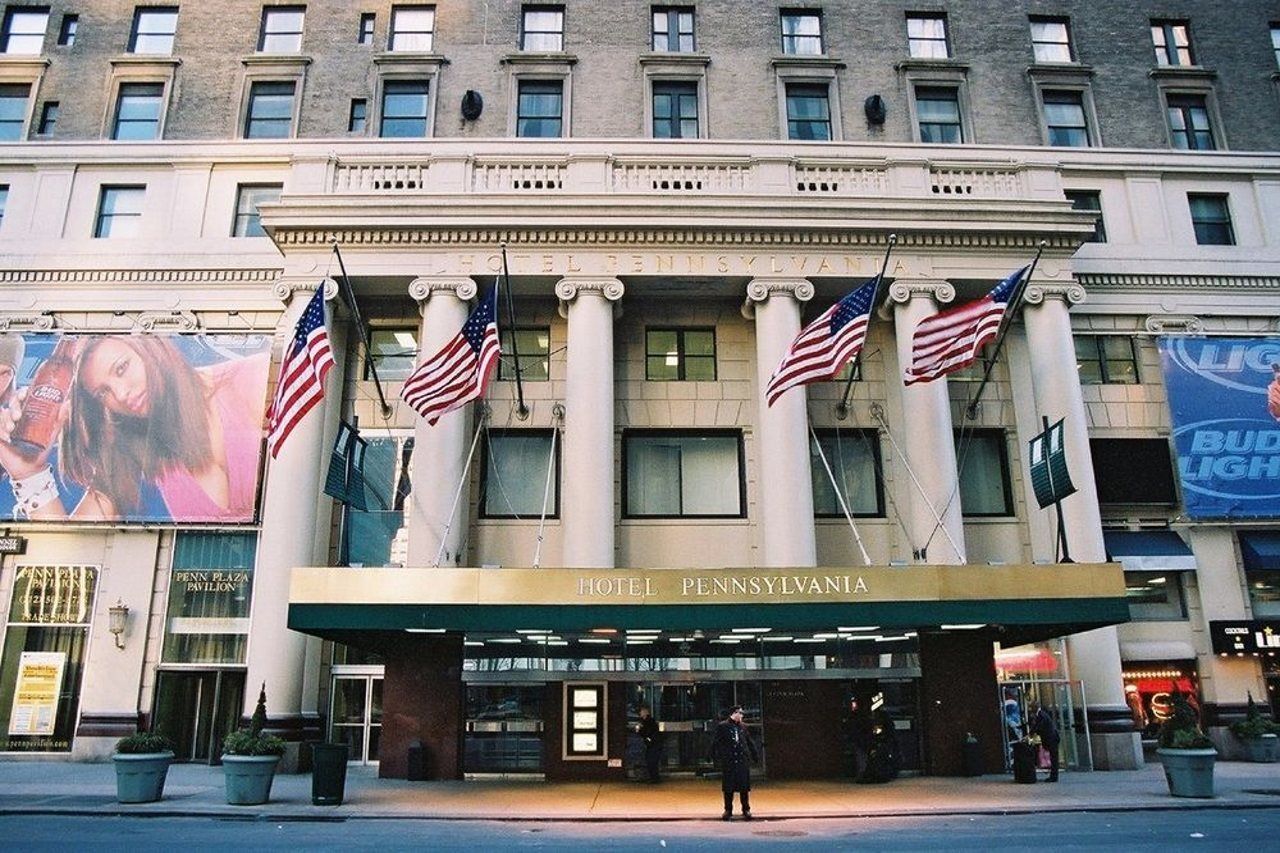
404,108
540,108
1154,596
23,31
801,32
281,29
927,36
533,345
119,211
4,200
269,114
1090,200
413,28
1211,218
358,116
854,458
808,111
1189,126
392,352
364,35
680,355
1172,40
67,31
983,460
1260,553
673,28
510,487
1275,42
682,473
1106,360
542,28
48,118
154,28
938,114
248,221
138,108
675,110
1051,40
1064,117
13,110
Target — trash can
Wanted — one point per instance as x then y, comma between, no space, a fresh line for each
971,757
416,764
328,773
1024,763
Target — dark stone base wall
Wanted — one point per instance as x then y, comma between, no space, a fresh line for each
959,694
803,729
556,768
423,701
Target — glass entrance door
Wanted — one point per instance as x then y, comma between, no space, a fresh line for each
504,728
355,716
687,715
196,709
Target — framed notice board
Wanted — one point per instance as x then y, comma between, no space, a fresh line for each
585,722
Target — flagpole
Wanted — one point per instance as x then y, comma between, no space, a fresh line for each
521,409
349,296
842,409
1005,323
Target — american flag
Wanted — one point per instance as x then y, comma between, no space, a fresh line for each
950,340
306,363
825,346
459,372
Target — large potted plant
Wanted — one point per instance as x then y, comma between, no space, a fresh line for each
1260,736
142,762
249,759
1186,752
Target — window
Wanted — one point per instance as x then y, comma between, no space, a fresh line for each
1106,360
358,116
1154,596
1275,42
854,457
23,32
672,474
154,28
675,110
48,118
1051,40
1211,218
808,111
270,111
412,28
119,212
67,31
210,593
404,108
1064,118
542,29
673,28
1090,200
927,36
4,200
13,110
534,347
138,111
365,34
281,29
1172,40
801,32
539,108
515,474
678,355
1132,471
1189,126
392,352
983,461
938,114
248,198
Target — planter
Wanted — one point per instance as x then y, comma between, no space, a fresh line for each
1263,749
1189,772
140,777
248,778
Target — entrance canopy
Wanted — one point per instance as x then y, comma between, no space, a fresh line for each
1017,603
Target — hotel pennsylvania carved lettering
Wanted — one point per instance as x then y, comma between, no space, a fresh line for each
711,587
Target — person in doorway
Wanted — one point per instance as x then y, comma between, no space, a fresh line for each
736,751
1046,729
1012,714
647,728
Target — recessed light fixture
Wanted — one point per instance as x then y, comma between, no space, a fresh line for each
861,629
963,627
595,640
751,630
604,630
639,641
777,638
532,631
424,630
826,636
503,640
809,640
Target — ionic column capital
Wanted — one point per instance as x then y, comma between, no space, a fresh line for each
461,286
286,286
903,290
761,290
570,288
1070,292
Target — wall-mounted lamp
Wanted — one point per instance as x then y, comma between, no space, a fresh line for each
472,105
119,618
875,109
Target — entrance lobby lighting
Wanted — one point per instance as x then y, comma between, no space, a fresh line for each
862,629
424,630
728,641
777,638
604,630
826,636
858,637
118,618
472,643
963,627
631,631
503,640
532,631
595,640
639,641
893,639
809,640
751,630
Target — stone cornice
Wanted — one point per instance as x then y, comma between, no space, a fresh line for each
1207,283
461,286
134,277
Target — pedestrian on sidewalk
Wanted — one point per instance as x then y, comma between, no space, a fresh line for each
736,751
1042,725
647,728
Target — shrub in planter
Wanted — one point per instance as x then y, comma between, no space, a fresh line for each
249,759
142,762
1186,752
1259,735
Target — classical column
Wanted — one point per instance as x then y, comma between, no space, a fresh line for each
1094,655
440,452
925,434
587,513
290,526
782,430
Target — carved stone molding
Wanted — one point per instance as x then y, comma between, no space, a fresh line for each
461,286
167,321
760,290
1070,292
905,289
569,289
286,286
1180,283
27,322
120,278
1159,324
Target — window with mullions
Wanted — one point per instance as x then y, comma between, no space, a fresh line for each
412,28
1106,360
1172,41
23,31
515,474
376,535
48,118
248,222
1051,40
542,28
1275,42
808,111
358,116
1154,596
393,352
13,110
281,29
138,108
534,346
854,457
927,36
675,110
154,29
1091,201
119,212
938,114
1264,591
404,108
801,32
67,31
1064,118
983,459
364,34
269,114
682,474
1189,126
1211,218
673,29
678,355
540,108
210,592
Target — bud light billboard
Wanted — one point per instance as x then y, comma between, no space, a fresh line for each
1224,394
131,428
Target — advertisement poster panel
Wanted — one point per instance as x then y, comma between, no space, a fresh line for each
1224,395
35,698
131,428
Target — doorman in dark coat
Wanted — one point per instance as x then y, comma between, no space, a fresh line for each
647,728
1042,724
735,749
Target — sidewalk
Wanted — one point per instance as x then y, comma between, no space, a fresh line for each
48,787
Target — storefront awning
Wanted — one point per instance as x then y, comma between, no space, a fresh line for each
1149,551
1260,549
1022,602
